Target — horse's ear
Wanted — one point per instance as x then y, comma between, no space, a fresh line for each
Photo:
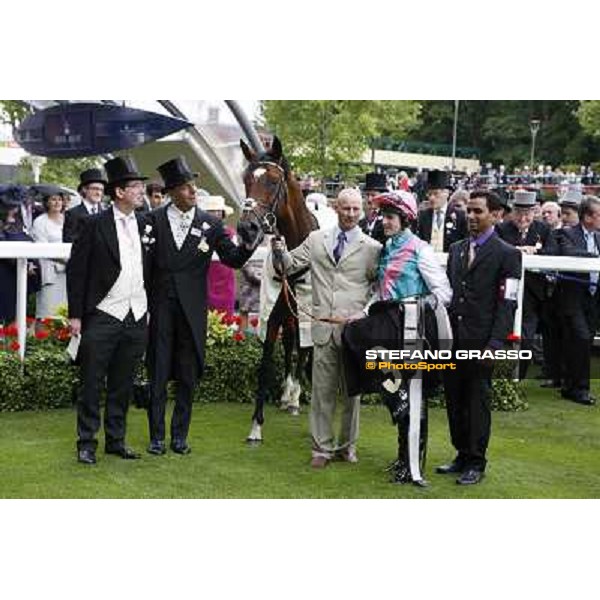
276,150
248,152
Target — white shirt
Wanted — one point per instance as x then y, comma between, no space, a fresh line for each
92,207
128,291
180,223
351,235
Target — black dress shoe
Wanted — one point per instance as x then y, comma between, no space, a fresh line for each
584,398
87,457
180,447
123,452
157,447
453,467
470,477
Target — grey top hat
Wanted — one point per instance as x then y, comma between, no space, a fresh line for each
524,199
572,197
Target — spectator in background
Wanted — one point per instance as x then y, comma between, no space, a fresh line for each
155,194
250,280
220,293
569,207
371,224
458,201
48,228
551,214
91,187
12,229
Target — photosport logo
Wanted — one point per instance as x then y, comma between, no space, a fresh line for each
435,360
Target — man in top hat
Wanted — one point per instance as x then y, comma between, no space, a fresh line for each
530,236
91,188
579,302
569,207
372,223
182,239
440,225
108,309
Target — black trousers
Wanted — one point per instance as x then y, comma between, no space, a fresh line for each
175,358
110,351
532,312
468,404
580,328
553,340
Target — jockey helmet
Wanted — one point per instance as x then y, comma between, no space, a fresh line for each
399,201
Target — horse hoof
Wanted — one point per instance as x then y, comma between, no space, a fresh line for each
294,411
253,441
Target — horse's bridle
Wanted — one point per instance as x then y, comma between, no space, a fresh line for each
267,218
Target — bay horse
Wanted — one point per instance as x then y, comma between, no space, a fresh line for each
275,199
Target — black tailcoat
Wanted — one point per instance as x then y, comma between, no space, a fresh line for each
74,219
182,274
94,264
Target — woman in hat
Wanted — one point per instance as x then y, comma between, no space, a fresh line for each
12,229
48,228
221,278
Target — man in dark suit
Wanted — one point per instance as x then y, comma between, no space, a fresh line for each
440,225
91,188
483,272
579,300
108,308
530,237
372,223
182,240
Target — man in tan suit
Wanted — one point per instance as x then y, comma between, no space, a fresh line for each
343,263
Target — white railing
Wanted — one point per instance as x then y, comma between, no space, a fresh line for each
28,250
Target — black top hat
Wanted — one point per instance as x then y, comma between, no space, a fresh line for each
438,180
376,182
91,176
176,172
120,169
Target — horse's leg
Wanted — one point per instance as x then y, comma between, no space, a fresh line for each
264,379
291,396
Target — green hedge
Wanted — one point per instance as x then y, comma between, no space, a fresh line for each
47,380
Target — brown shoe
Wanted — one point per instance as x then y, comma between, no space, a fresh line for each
319,462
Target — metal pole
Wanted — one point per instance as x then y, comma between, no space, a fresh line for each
245,124
455,133
534,126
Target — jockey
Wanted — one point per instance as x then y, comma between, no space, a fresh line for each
411,288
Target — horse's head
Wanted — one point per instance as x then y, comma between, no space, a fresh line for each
266,183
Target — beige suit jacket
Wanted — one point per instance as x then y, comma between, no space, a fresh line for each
340,290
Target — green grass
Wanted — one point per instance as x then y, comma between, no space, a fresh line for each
550,451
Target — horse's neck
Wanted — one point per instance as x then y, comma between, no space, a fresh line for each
296,222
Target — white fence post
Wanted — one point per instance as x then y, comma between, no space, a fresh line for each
22,304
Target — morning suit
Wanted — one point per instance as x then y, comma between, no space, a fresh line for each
74,219
177,289
578,301
538,235
481,314
340,289
111,346
454,226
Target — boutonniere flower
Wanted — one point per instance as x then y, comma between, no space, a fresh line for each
203,246
450,225
147,238
205,226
